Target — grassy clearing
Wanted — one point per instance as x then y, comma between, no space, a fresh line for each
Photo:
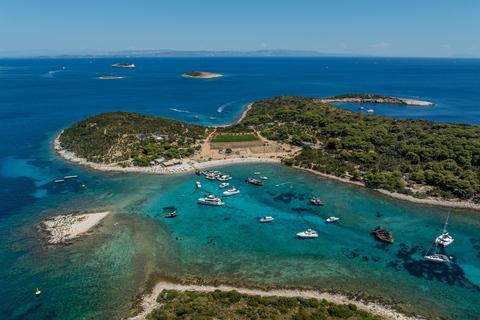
235,138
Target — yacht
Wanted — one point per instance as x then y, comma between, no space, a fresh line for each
211,200
370,111
332,219
172,214
308,234
224,185
266,219
254,181
211,177
317,202
263,178
224,177
231,191
444,239
383,235
198,184
257,173
195,117
361,108
436,257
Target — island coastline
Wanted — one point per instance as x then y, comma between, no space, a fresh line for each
109,77
149,303
202,75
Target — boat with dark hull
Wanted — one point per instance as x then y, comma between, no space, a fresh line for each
317,202
254,181
383,235
172,214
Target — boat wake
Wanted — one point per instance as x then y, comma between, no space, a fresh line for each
51,74
223,106
177,110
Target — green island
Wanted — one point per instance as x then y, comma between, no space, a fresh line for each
124,65
375,98
413,157
202,75
234,305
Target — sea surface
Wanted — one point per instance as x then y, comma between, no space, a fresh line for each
98,276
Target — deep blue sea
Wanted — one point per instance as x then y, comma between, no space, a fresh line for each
98,276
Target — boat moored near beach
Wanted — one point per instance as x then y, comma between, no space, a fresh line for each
171,214
266,219
198,184
307,234
231,191
254,181
383,235
224,185
332,219
211,200
444,239
317,202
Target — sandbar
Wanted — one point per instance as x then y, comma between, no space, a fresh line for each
63,227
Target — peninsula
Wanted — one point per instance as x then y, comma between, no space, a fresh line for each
202,75
416,160
375,98
110,77
124,65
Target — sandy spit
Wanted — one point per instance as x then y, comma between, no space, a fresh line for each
149,300
64,227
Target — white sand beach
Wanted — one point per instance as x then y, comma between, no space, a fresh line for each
60,228
149,300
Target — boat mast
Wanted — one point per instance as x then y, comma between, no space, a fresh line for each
446,223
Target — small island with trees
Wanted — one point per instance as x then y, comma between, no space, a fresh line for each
375,98
124,65
202,75
407,157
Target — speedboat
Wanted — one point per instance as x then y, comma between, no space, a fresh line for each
383,235
263,178
212,118
224,185
257,173
361,108
211,200
332,219
254,181
198,172
266,219
317,202
370,111
198,184
211,177
231,191
195,117
308,234
172,214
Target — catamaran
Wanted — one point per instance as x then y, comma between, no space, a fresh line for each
444,239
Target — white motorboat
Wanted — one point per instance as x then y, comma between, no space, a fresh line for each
263,178
308,234
266,219
224,177
361,108
317,202
211,200
211,177
224,185
370,111
198,184
444,239
257,173
332,219
231,191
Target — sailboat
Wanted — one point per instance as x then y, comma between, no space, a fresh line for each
436,257
444,239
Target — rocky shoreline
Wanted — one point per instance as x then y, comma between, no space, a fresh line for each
431,201
61,228
392,100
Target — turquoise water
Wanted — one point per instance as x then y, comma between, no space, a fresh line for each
98,276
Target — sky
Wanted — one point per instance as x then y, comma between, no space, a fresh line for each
405,28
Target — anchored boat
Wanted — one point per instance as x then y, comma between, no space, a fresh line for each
383,235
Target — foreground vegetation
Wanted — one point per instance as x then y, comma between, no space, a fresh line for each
234,305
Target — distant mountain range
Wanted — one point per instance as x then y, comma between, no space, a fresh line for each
176,53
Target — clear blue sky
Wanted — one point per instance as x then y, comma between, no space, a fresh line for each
420,28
